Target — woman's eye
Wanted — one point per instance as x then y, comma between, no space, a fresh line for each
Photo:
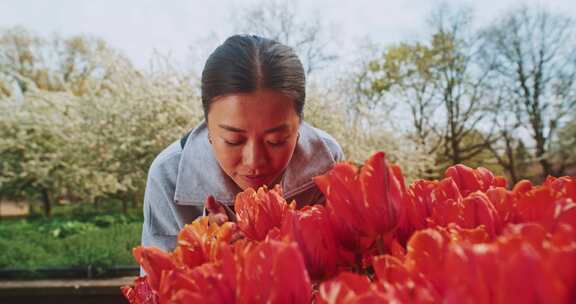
277,143
233,143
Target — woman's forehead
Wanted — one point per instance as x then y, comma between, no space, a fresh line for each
264,95
261,109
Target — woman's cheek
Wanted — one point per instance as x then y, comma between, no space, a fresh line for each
281,157
228,158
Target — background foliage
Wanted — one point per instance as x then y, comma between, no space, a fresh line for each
79,123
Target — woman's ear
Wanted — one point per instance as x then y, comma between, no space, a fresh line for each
209,138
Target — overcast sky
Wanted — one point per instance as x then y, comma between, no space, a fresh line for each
138,27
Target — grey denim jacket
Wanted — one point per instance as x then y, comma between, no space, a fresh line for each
180,180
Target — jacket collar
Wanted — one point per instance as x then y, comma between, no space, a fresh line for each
200,175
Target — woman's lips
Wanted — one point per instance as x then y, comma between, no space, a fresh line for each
255,180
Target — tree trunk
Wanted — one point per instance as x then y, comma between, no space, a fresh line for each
511,166
546,168
540,155
47,204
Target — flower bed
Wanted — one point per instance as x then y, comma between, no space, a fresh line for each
462,239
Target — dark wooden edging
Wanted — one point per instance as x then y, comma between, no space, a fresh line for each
64,291
87,272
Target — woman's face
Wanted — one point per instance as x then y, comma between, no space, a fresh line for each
253,136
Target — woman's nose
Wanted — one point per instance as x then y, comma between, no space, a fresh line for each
254,155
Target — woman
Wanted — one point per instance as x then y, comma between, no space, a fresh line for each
253,92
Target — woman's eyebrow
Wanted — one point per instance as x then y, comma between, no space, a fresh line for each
281,127
232,129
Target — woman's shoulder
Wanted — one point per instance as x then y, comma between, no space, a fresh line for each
168,160
328,140
165,164
316,153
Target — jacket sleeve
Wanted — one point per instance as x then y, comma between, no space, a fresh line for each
309,197
160,226
339,154
332,145
163,218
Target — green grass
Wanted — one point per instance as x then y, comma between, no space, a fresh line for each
76,236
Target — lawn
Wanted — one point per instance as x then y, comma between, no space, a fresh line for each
75,237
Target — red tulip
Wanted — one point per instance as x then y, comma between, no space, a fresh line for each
417,291
504,202
260,211
383,193
447,204
420,193
447,190
562,256
537,205
310,228
470,271
367,204
525,277
475,235
425,253
519,267
208,283
522,187
141,293
565,191
341,188
391,269
464,239
273,272
500,181
565,213
155,263
470,180
478,210
426,250
446,212
343,288
566,185
200,242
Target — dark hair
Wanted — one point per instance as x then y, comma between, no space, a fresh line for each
246,63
